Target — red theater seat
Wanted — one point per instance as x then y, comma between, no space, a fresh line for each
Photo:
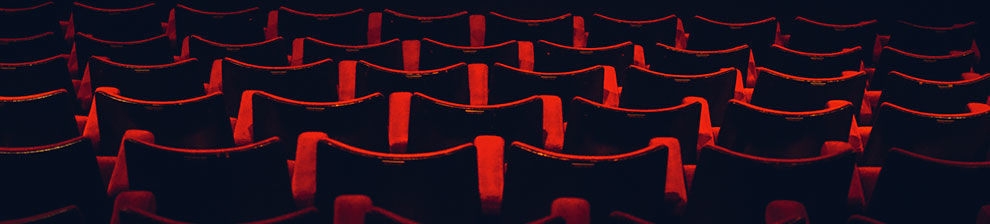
671,60
350,27
450,83
453,28
812,64
818,36
552,57
708,34
153,51
780,91
240,184
174,81
628,182
47,177
31,48
435,54
67,214
598,129
957,137
437,185
20,79
646,89
196,122
388,53
272,52
508,84
37,119
310,82
941,191
929,95
361,122
234,27
30,20
120,24
931,40
735,187
607,31
949,67
564,29
771,133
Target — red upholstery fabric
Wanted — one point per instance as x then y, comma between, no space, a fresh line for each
243,125
553,123
572,210
374,28
304,173
398,121
526,57
639,59
580,36
491,172
353,209
133,200
118,180
271,29
296,57
682,37
347,75
170,26
216,77
410,55
477,23
478,81
786,212
611,86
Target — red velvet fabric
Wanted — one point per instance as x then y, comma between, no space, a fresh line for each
675,170
304,173
553,123
271,29
611,87
478,83
216,77
491,172
118,180
398,121
580,36
680,41
298,47
526,56
572,210
374,28
410,55
785,212
347,75
133,200
477,24
244,125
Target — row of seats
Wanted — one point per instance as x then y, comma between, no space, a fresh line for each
607,155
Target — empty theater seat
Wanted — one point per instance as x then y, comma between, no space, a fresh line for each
508,84
787,92
771,133
311,82
561,29
607,31
349,27
957,136
360,122
435,54
196,122
812,64
51,176
234,27
37,119
239,184
388,53
672,60
819,36
552,57
708,34
174,81
731,186
449,83
646,89
272,52
151,51
453,28
21,79
29,20
440,185
120,24
31,48
961,185
948,67
931,40
929,95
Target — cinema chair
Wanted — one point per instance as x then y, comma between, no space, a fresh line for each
388,53
247,183
564,29
931,40
929,95
453,28
233,27
272,52
120,24
435,54
450,83
310,82
360,122
780,91
818,36
509,84
672,60
29,20
21,79
646,89
607,31
708,34
960,186
949,67
764,132
552,57
197,122
812,64
38,119
348,27
31,48
957,136
67,214
151,51
174,81
736,187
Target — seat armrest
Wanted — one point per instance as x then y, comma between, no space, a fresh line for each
106,164
346,79
304,169
580,35
216,77
398,121
689,175
864,134
119,182
868,178
478,83
477,25
298,51
133,200
491,172
271,29
567,210
611,89
675,193
243,125
410,55
81,123
785,212
553,123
